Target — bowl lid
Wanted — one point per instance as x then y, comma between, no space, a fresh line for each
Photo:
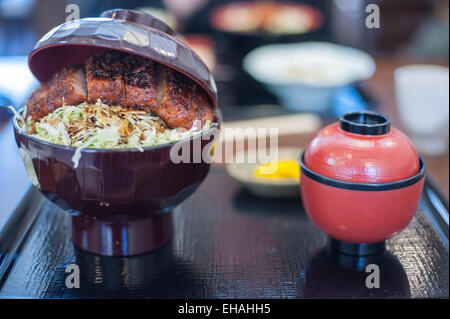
362,147
129,31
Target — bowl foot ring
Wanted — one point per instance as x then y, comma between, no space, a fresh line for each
356,249
122,235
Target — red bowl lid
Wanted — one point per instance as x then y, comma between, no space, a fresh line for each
129,31
363,148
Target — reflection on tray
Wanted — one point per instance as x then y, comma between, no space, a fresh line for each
159,274
327,274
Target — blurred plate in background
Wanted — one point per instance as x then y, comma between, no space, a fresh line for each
267,186
306,76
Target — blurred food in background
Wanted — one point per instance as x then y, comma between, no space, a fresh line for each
266,17
277,178
241,26
306,76
280,168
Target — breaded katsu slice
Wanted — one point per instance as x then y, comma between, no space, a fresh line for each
66,86
37,102
181,101
209,111
140,83
130,81
104,78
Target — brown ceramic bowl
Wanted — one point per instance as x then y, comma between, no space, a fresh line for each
113,188
118,197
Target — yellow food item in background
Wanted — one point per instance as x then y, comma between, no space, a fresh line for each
287,168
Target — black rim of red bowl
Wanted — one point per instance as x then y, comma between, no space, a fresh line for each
362,186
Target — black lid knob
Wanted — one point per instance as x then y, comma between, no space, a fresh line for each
365,123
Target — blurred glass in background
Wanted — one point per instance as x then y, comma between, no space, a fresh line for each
422,98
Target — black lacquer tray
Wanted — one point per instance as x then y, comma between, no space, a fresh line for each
227,244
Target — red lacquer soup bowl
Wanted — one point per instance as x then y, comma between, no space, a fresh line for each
361,181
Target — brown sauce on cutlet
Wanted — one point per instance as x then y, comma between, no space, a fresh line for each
108,64
138,71
135,70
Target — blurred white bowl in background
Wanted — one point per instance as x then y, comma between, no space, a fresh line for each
422,97
305,76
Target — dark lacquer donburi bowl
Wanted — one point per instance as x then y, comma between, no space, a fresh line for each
361,182
119,198
112,189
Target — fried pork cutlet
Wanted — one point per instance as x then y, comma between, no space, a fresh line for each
140,83
130,81
66,86
104,78
181,101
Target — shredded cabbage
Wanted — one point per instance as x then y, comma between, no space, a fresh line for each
102,126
